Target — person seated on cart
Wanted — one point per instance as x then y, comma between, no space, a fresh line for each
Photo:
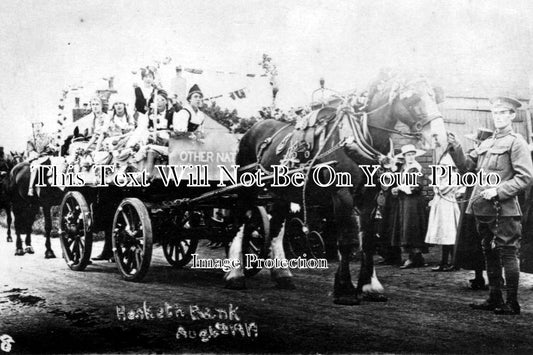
118,127
190,119
88,124
152,131
39,149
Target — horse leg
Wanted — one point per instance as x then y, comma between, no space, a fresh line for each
19,216
281,276
29,248
368,282
9,220
18,245
49,253
344,291
235,277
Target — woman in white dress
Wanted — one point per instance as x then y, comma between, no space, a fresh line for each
444,216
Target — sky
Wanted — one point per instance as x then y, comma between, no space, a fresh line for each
47,46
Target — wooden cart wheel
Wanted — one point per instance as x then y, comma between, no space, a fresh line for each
178,252
317,247
256,239
295,239
132,239
75,231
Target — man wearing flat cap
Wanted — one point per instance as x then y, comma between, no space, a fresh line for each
496,208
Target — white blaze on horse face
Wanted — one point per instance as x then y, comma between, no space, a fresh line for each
434,133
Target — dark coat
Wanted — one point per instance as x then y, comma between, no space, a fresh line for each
410,220
468,253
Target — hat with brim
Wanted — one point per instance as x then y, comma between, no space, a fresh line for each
506,102
480,135
194,90
409,148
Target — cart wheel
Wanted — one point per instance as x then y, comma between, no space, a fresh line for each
178,252
295,239
75,231
256,237
317,247
132,239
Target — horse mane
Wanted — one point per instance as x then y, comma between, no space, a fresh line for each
385,79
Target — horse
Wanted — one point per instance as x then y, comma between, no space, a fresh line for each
5,204
26,208
392,97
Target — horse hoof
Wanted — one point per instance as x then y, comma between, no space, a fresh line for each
285,283
347,300
49,254
235,284
29,250
9,240
374,297
19,252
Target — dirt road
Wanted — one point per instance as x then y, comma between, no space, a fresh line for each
47,308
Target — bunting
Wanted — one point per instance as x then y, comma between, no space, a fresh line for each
221,72
234,95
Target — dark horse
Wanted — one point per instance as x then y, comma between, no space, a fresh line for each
408,98
26,208
5,204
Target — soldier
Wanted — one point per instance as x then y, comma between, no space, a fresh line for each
496,209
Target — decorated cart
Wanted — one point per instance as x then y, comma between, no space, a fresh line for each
167,210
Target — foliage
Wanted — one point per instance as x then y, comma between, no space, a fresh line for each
227,118
236,124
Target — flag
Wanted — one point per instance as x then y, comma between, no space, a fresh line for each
240,94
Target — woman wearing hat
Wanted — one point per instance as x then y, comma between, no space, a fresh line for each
444,216
190,118
409,223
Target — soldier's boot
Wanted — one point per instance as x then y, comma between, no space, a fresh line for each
512,274
511,307
494,301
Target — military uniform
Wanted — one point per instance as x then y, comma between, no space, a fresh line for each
498,221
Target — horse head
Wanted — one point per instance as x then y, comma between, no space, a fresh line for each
410,99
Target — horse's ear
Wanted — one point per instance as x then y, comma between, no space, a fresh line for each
439,94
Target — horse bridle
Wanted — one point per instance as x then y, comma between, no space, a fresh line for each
417,125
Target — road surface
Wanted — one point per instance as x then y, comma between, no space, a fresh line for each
47,308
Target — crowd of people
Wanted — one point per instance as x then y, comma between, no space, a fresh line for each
482,219
466,223
125,135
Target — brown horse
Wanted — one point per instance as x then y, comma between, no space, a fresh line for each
407,98
26,208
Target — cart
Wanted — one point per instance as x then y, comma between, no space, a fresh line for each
175,217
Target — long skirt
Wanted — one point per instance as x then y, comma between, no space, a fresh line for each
443,221
410,222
